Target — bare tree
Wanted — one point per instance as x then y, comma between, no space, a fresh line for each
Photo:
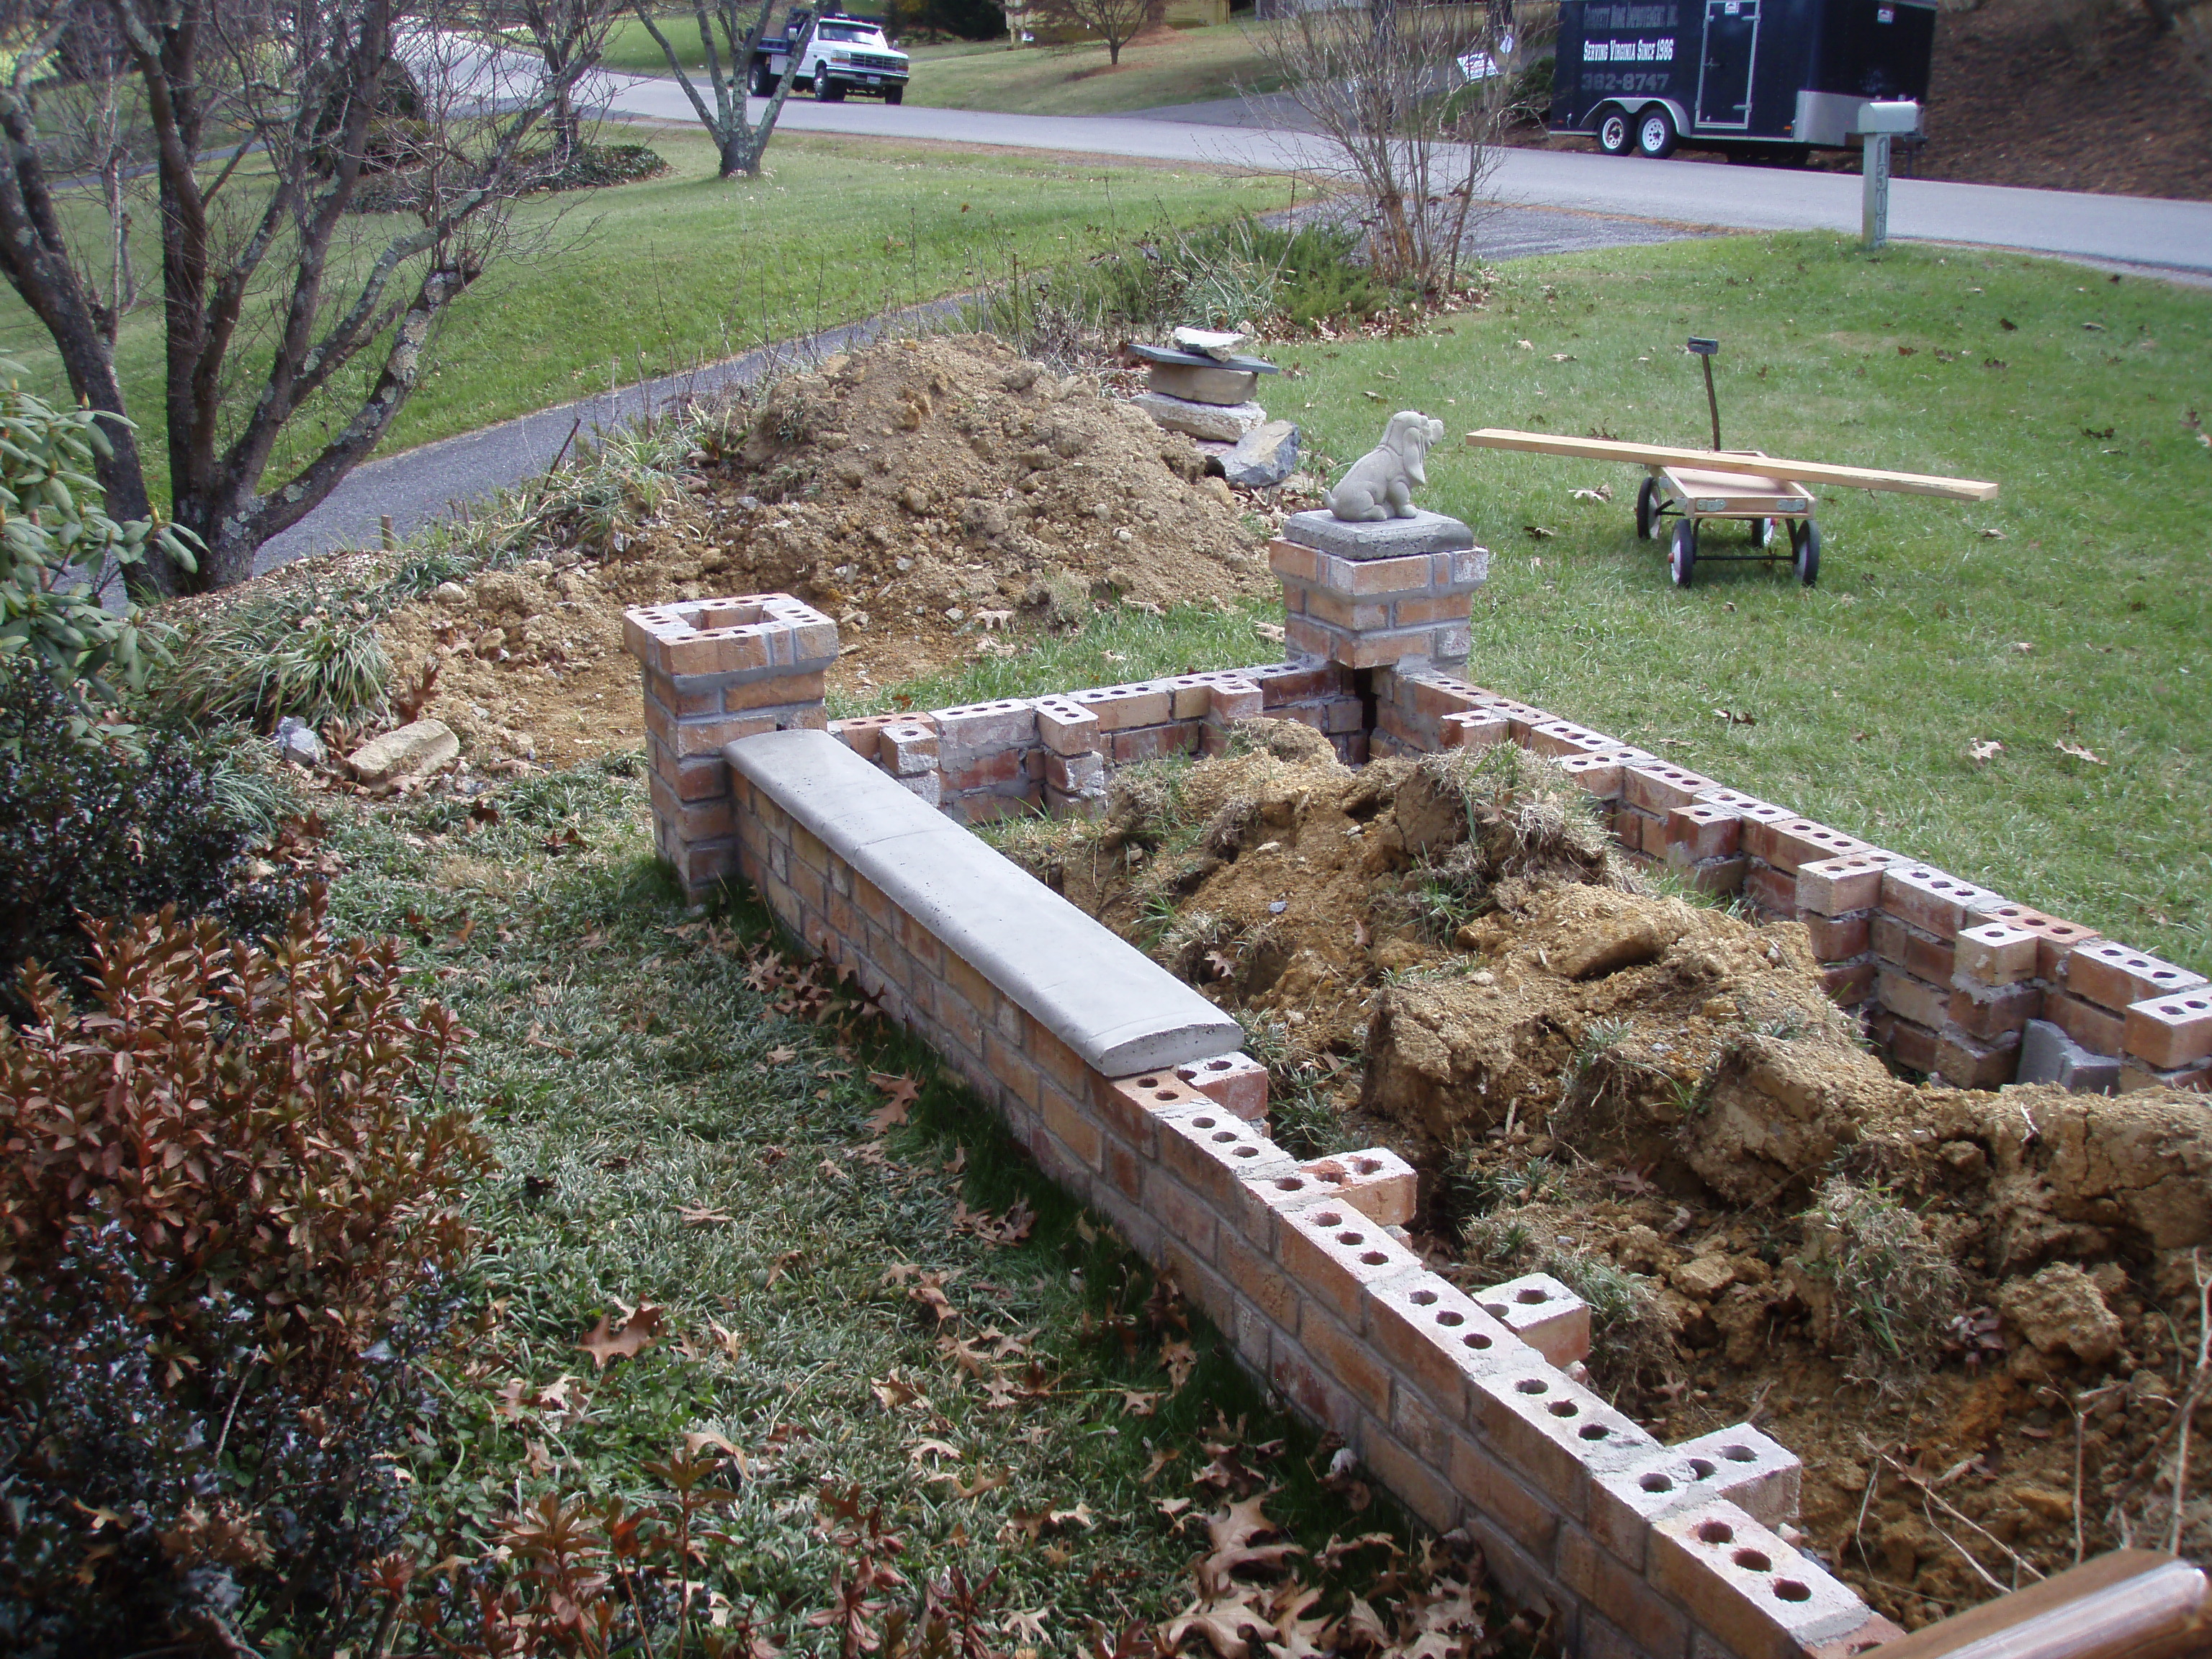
260,119
1411,98
740,141
1117,22
564,32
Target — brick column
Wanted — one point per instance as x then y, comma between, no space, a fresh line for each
714,671
1378,595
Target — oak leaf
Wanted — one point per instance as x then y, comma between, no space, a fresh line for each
604,1343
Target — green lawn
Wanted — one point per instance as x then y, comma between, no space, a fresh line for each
653,278
2082,619
1181,67
683,1120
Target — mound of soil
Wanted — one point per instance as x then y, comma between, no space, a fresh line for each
1944,1301
933,495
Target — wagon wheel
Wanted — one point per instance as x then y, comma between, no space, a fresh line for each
1805,550
1682,556
1762,533
1647,508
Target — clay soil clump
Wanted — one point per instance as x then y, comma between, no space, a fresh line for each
1941,1300
937,497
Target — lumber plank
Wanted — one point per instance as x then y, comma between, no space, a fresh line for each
1852,477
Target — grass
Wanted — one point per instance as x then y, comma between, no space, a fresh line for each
2071,610
654,278
677,1126
1176,66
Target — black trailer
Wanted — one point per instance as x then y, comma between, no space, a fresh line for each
1760,79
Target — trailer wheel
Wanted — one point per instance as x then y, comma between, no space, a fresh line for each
1682,556
1805,550
1655,133
1646,515
894,95
1614,133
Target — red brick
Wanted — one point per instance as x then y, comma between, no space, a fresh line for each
1986,1014
1657,787
1408,574
1346,1360
985,771
1212,1149
1311,1391
1758,1596
1771,890
1543,1313
1920,954
1378,1183
1258,1278
2113,977
1440,608
2058,937
2197,1078
1131,1106
1149,742
1600,1579
2169,1031
1931,900
776,689
1497,1492
1438,695
2097,1028
1552,1432
1556,738
1701,831
1288,559
1182,1214
1436,1337
1994,953
1916,1000
1415,1484
1836,938
1791,843
1848,983
1119,708
1839,886
1334,1253
1913,1045
1600,776
1718,875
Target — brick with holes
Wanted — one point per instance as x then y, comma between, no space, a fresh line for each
1236,1082
1753,1592
1334,1252
2167,1032
1543,1313
1211,1150
2112,976
1992,954
1377,1182
1435,1336
1557,1432
1930,899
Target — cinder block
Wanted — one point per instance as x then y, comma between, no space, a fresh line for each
1378,1183
1837,886
1543,1313
1929,899
1656,787
1989,954
1336,1253
2113,977
1758,1596
2166,1032
1437,1338
2096,1028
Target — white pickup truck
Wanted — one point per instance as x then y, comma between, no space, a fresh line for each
842,54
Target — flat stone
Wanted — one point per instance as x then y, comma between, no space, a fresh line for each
1153,353
1219,347
1115,1007
1225,386
424,746
1390,539
1229,422
2047,1055
1264,456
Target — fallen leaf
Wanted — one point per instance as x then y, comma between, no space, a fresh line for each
1985,750
2078,752
1539,532
701,1216
1562,357
604,1343
782,1056
1993,535
930,1292
981,1484
783,1265
1181,1360
1160,1461
1524,345
899,1092
1138,1404
1602,493
892,1391
1171,1507
1080,1515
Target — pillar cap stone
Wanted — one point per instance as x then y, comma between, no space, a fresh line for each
1388,539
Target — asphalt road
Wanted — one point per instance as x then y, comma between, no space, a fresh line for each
1551,202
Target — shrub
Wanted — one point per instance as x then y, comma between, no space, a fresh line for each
97,828
304,651
58,549
227,1212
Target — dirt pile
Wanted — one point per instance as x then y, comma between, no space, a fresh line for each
1944,1301
935,496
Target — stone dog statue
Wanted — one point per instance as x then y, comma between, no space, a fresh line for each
1381,482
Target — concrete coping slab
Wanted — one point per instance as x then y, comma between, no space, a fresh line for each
1384,538
1118,1009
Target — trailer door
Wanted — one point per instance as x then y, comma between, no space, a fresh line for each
1724,69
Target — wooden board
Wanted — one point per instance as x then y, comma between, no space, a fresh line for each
1853,477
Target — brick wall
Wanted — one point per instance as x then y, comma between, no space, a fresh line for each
1456,1402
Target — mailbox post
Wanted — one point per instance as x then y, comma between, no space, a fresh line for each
1878,124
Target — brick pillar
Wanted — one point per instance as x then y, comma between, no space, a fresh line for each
1379,595
714,671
